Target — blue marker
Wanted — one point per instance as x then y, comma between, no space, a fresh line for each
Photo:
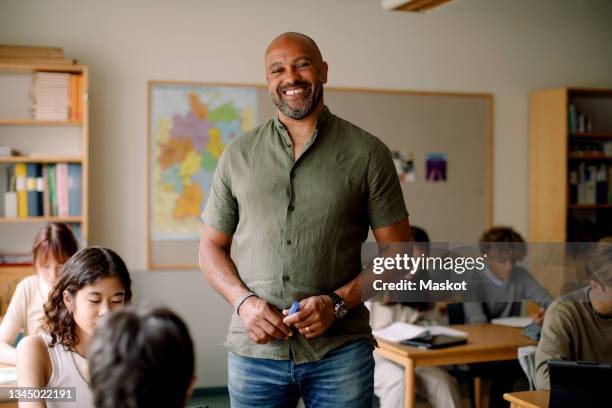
295,307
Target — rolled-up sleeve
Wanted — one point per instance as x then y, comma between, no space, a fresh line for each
221,209
385,199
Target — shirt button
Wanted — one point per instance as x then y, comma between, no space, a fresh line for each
291,208
288,242
285,278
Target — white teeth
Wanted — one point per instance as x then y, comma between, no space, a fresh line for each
294,91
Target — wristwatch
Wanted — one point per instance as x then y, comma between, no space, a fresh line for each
340,308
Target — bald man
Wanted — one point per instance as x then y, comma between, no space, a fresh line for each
294,199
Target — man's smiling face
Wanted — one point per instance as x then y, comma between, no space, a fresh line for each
295,73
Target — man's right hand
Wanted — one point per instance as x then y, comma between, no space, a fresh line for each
263,323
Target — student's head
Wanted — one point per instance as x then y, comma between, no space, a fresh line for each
53,245
421,240
295,72
599,268
503,247
141,357
93,282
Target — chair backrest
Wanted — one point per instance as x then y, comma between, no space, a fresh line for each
456,315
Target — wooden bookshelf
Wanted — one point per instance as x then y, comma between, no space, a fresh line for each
65,141
552,157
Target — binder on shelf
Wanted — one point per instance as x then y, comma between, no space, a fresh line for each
21,189
35,189
74,190
10,204
52,180
62,189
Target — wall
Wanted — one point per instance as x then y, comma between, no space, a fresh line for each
505,48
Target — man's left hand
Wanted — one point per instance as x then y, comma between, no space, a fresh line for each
315,316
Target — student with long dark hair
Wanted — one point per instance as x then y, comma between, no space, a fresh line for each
94,281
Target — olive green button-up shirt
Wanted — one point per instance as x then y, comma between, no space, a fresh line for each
298,225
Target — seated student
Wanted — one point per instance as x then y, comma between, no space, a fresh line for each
499,290
141,358
578,326
502,285
94,281
433,383
53,245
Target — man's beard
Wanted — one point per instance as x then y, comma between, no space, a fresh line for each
299,113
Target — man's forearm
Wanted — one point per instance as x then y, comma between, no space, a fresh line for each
220,271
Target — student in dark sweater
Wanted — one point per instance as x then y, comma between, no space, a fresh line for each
578,326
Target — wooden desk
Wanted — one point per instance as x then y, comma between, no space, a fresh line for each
528,399
486,342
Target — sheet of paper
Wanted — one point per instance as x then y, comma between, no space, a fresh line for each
437,330
517,321
8,375
399,331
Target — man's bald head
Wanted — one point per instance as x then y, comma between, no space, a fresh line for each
300,38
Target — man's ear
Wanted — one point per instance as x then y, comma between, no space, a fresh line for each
323,72
68,301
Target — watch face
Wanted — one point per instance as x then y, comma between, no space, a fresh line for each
341,310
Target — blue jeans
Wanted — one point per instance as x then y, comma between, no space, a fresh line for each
343,378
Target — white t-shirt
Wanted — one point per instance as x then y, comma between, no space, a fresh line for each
26,307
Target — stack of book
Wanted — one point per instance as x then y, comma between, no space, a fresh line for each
50,96
36,190
57,96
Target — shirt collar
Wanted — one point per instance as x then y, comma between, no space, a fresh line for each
322,119
494,279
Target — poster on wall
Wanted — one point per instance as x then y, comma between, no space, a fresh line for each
436,166
189,126
404,165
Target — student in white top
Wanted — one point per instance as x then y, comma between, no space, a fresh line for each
433,383
156,341
53,245
93,282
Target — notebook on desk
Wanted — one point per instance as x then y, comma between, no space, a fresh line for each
435,342
579,384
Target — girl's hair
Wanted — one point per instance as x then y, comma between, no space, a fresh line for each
86,267
54,239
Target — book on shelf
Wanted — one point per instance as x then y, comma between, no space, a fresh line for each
74,190
62,189
21,189
589,185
